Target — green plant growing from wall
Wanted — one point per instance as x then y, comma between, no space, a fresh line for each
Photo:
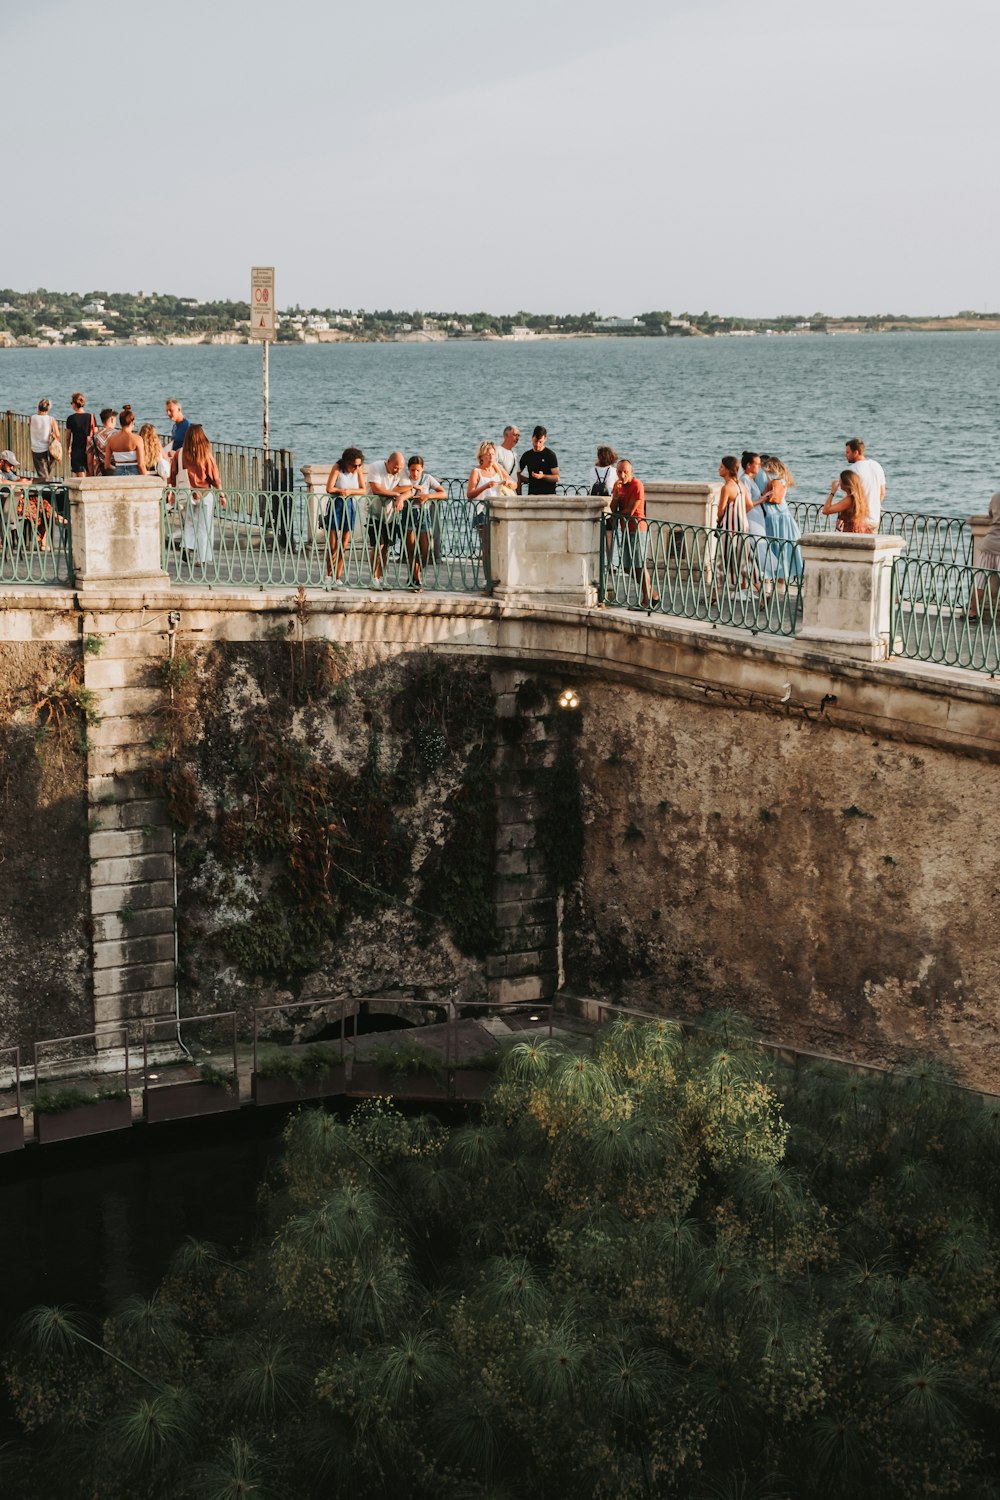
65,711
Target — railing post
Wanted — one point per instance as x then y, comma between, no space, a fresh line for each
546,548
846,593
115,526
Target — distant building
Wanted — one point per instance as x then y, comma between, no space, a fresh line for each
93,307
617,323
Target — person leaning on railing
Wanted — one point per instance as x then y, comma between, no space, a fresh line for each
426,491
345,485
487,479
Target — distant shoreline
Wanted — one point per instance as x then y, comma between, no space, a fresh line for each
833,330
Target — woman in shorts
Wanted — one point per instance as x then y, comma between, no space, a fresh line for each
345,485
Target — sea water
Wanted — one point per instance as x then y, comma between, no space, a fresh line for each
925,404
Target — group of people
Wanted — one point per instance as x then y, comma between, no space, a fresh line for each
113,448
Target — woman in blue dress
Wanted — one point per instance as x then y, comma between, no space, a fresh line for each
784,555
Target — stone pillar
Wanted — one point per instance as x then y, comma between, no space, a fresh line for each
525,966
682,504
116,557
116,534
544,549
846,593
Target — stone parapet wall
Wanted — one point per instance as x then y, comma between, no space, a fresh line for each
872,919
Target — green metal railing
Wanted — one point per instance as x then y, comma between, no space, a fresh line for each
35,546
947,614
696,573
265,540
927,537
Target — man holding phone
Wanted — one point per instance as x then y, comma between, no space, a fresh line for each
539,467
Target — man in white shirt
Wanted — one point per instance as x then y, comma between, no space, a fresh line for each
871,475
389,488
506,456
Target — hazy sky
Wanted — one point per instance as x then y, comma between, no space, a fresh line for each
748,156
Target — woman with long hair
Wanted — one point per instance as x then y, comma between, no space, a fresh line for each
784,555
736,550
345,485
851,512
124,453
487,479
157,461
194,467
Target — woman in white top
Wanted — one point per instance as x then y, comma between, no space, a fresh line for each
602,477
345,484
43,428
487,479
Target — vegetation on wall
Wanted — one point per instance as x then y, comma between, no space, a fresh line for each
310,843
456,715
653,1268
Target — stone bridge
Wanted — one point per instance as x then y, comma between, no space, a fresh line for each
797,826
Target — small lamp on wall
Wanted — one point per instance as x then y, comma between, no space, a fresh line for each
569,698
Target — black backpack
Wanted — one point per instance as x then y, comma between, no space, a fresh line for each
600,486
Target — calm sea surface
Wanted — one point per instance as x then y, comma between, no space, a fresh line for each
926,404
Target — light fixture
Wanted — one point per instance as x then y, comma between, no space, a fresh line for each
569,698
534,1018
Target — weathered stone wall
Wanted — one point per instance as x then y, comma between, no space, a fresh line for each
336,828
45,983
837,886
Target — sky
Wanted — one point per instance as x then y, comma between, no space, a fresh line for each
751,157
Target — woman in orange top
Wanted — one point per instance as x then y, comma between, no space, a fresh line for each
194,467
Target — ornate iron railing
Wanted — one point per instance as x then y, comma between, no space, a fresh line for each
933,538
696,573
947,614
36,543
264,540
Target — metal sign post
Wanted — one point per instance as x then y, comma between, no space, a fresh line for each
263,328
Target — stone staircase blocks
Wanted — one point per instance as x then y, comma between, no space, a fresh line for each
142,895
134,870
118,953
109,928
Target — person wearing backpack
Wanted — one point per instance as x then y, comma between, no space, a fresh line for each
601,481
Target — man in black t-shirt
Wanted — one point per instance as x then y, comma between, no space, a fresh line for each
539,467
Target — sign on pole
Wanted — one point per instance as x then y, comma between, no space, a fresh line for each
262,320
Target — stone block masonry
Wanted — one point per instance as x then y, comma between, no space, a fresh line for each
131,846
526,965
